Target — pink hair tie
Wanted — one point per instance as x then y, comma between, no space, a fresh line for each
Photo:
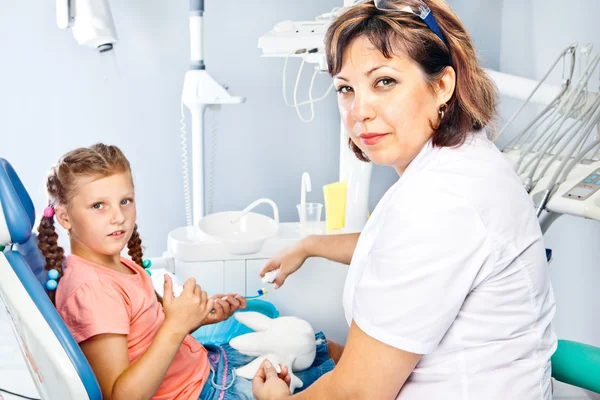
49,212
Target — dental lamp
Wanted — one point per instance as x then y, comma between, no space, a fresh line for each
90,21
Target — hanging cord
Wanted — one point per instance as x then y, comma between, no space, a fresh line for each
185,170
213,160
310,100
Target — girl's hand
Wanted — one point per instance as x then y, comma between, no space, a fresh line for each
185,313
269,385
225,305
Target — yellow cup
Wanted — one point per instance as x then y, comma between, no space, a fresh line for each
335,205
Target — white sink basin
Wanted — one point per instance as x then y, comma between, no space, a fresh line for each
246,235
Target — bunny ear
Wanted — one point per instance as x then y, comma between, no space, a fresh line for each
256,321
250,344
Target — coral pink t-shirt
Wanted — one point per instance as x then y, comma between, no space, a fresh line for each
93,299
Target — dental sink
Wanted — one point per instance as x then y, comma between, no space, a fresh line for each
242,232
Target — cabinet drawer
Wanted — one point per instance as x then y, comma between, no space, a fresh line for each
208,274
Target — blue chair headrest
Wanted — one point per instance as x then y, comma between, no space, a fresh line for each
17,214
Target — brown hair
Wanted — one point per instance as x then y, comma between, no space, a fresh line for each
98,160
473,104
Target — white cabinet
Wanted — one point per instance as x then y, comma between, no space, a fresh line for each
227,276
234,277
313,293
208,274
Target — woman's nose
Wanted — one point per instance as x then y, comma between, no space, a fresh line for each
362,108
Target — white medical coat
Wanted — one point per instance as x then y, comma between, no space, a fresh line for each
452,265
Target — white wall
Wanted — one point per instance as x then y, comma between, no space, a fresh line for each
533,34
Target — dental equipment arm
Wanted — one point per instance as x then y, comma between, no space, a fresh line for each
583,131
567,139
552,187
582,154
523,136
569,50
567,105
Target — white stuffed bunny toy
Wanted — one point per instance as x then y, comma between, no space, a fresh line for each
288,341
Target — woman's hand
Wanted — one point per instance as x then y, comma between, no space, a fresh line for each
185,313
287,261
268,385
224,307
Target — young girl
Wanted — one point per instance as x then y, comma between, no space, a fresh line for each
137,347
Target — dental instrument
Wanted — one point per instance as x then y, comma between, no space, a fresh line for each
311,101
565,108
550,187
570,50
550,154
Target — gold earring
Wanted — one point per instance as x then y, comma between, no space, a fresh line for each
442,111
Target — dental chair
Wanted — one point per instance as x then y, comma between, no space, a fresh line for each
57,365
55,361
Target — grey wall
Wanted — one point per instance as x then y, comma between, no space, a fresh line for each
483,20
533,34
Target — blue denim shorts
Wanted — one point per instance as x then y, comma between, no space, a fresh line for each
223,384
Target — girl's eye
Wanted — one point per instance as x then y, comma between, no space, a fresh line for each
97,206
344,89
125,202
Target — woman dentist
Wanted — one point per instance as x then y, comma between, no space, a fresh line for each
448,294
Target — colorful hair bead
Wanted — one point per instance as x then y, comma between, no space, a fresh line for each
49,212
52,282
